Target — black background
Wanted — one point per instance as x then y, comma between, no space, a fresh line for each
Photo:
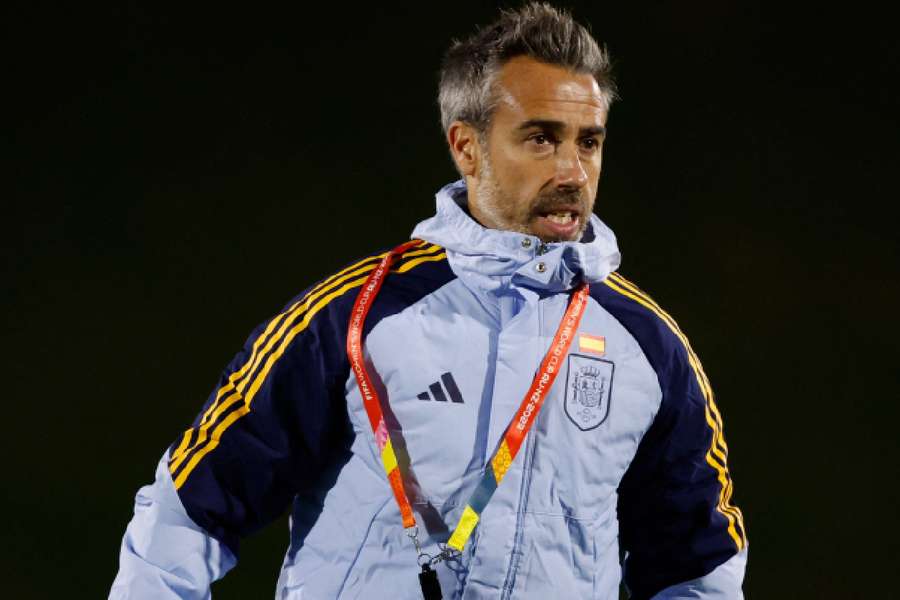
175,175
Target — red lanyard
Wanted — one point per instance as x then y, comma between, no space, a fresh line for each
515,432
370,398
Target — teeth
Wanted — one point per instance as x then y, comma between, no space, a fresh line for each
560,218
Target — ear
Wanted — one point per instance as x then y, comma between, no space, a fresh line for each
464,147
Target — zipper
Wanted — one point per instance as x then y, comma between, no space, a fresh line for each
514,555
462,575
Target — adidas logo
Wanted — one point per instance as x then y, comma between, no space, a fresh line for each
438,392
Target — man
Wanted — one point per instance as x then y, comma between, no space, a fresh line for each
493,398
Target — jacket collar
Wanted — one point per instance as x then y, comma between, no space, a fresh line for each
492,259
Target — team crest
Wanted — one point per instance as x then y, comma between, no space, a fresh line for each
588,390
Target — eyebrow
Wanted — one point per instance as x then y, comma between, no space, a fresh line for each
558,126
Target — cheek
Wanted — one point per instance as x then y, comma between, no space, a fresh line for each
530,178
520,182
593,169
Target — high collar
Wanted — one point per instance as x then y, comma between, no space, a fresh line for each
492,259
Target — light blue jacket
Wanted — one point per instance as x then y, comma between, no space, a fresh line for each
626,457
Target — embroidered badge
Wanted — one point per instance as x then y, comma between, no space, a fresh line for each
588,390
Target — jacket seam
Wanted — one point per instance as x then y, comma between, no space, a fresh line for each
514,558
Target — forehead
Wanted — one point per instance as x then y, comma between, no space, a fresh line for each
528,89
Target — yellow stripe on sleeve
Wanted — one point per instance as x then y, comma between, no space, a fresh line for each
252,361
260,378
414,263
718,449
285,341
213,442
703,379
182,446
298,308
243,410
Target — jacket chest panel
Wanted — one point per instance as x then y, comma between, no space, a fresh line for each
452,378
430,362
589,429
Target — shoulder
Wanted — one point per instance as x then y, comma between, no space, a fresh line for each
414,273
309,334
654,328
661,338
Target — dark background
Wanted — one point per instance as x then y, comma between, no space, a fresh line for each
175,175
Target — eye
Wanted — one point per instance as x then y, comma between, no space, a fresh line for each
590,143
541,142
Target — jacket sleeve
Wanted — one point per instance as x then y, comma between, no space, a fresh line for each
681,535
724,583
275,421
164,554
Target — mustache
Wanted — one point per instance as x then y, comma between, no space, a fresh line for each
557,200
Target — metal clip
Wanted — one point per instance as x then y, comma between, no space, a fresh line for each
447,553
413,534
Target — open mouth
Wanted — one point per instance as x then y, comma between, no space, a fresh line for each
561,218
558,225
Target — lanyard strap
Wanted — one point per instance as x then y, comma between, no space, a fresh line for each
516,430
370,398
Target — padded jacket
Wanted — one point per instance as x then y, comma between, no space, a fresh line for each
623,474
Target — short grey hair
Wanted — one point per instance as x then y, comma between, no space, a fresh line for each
537,30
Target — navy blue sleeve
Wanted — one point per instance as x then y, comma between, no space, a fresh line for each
676,519
277,423
275,419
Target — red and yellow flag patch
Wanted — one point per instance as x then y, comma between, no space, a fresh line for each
592,343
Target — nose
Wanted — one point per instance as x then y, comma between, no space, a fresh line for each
570,171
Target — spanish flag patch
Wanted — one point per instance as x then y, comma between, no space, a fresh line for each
592,343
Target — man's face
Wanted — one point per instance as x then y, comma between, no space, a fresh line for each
539,171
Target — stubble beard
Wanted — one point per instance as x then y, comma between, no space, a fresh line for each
500,211
494,205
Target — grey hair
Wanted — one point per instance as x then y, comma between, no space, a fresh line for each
537,30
